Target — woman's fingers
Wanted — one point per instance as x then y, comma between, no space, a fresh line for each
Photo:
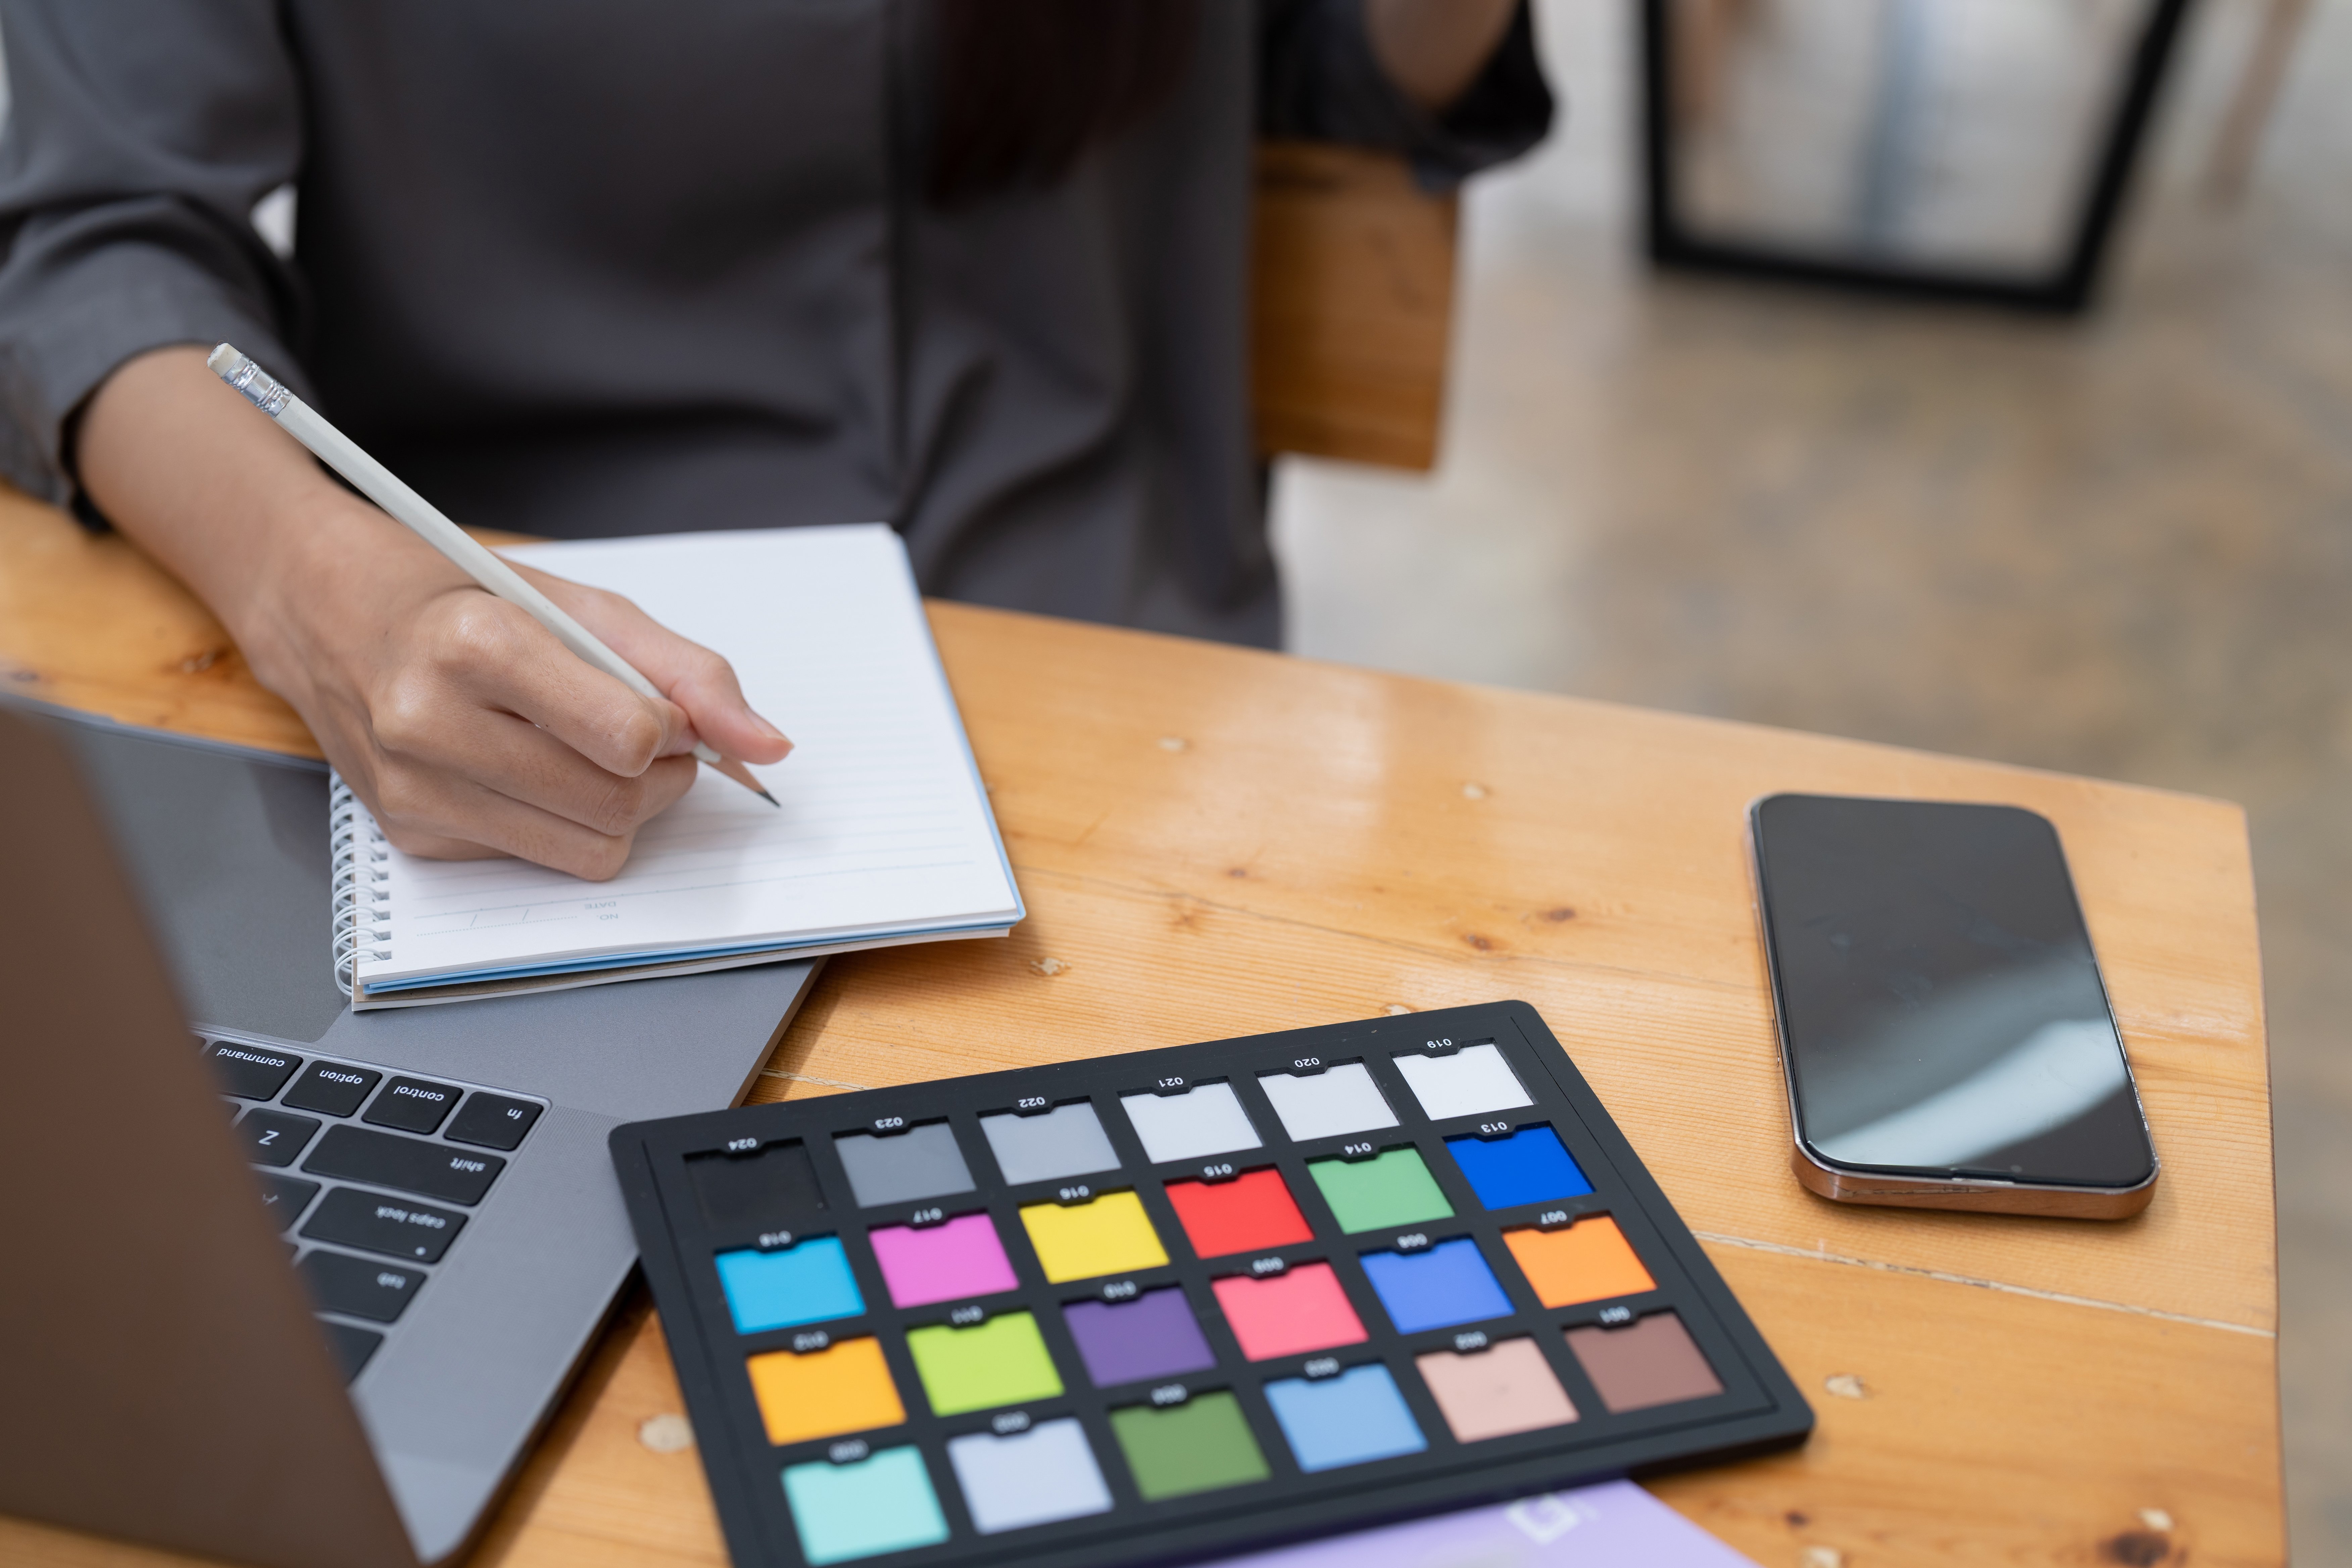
697,680
490,654
433,813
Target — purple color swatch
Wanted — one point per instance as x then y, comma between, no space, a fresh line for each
1152,1336
1613,1525
941,1262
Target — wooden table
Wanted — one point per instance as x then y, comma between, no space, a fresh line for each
1216,842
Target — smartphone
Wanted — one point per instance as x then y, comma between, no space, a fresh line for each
1944,1028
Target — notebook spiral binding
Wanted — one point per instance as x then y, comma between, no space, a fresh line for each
359,851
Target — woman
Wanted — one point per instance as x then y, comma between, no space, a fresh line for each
584,268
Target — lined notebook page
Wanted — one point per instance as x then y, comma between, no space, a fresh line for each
884,829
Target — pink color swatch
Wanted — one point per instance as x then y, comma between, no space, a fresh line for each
1289,1314
941,1262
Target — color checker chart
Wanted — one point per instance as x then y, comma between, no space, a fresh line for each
1183,1301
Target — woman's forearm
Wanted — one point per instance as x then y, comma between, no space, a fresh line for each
1433,50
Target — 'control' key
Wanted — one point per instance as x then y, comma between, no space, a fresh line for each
412,1104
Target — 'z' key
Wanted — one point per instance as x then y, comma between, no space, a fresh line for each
274,1138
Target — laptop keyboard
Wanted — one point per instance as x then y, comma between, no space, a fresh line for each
369,1178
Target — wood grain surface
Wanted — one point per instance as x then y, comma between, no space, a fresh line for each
1217,842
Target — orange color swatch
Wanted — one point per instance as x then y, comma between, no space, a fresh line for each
1589,1262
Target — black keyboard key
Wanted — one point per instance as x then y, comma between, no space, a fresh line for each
331,1088
492,1120
251,1072
287,1198
373,1221
352,1345
360,1286
272,1137
405,1164
412,1104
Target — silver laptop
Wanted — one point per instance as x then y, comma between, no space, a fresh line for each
288,1284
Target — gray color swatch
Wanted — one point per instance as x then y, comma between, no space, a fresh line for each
920,1163
1068,1140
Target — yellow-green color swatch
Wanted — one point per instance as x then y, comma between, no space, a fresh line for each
999,1361
1196,1446
1108,1235
1393,1189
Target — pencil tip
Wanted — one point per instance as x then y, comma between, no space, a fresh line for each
771,800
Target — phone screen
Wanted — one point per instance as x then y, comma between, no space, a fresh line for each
1940,1007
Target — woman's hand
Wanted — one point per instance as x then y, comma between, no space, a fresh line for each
468,729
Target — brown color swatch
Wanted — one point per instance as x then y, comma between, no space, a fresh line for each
1651,1361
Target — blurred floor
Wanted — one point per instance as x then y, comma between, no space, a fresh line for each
2121,547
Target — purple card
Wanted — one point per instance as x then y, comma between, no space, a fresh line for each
1613,1525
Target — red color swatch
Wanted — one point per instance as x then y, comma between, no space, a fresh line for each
1289,1314
1252,1211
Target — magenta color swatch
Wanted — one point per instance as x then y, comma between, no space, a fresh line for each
941,1262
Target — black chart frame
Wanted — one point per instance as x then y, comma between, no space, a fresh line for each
1760,1409
2068,290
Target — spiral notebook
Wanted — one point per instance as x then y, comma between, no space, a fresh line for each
884,836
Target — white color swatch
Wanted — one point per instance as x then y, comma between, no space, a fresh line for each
1473,1082
1338,1100
1203,1120
1030,1478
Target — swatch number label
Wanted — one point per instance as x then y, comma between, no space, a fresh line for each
770,1240
928,1216
1170,1393
1616,1314
1216,1172
1262,1267
742,1145
1077,1194
1011,1421
1475,1340
889,1123
815,1340
1305,1062
1323,1366
1412,1243
848,1453
964,1317
1170,1083
1119,1290
1030,1102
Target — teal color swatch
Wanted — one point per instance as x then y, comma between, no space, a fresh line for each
883,1502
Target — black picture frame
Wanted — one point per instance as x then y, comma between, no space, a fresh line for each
2070,289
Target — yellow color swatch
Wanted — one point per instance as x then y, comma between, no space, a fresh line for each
1589,1261
1110,1235
825,1393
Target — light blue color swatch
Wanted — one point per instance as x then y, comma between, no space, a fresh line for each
1448,1284
883,1502
809,1283
1350,1419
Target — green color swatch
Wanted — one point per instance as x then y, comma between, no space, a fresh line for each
1393,1189
882,1504
999,1361
1195,1447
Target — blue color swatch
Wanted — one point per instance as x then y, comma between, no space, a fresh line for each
1448,1284
1528,1167
1350,1419
881,1503
809,1283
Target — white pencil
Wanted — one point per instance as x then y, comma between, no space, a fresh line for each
378,483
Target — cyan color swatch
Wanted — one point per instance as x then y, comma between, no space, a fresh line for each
1350,1419
883,1502
809,1283
1528,1167
1448,1284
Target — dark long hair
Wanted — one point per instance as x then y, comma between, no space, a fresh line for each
1027,87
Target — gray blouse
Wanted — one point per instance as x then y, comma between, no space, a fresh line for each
581,268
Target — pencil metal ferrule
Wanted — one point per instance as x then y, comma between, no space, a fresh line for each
268,396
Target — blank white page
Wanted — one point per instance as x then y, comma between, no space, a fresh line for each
884,830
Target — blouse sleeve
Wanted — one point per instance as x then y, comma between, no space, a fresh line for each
140,138
1318,80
